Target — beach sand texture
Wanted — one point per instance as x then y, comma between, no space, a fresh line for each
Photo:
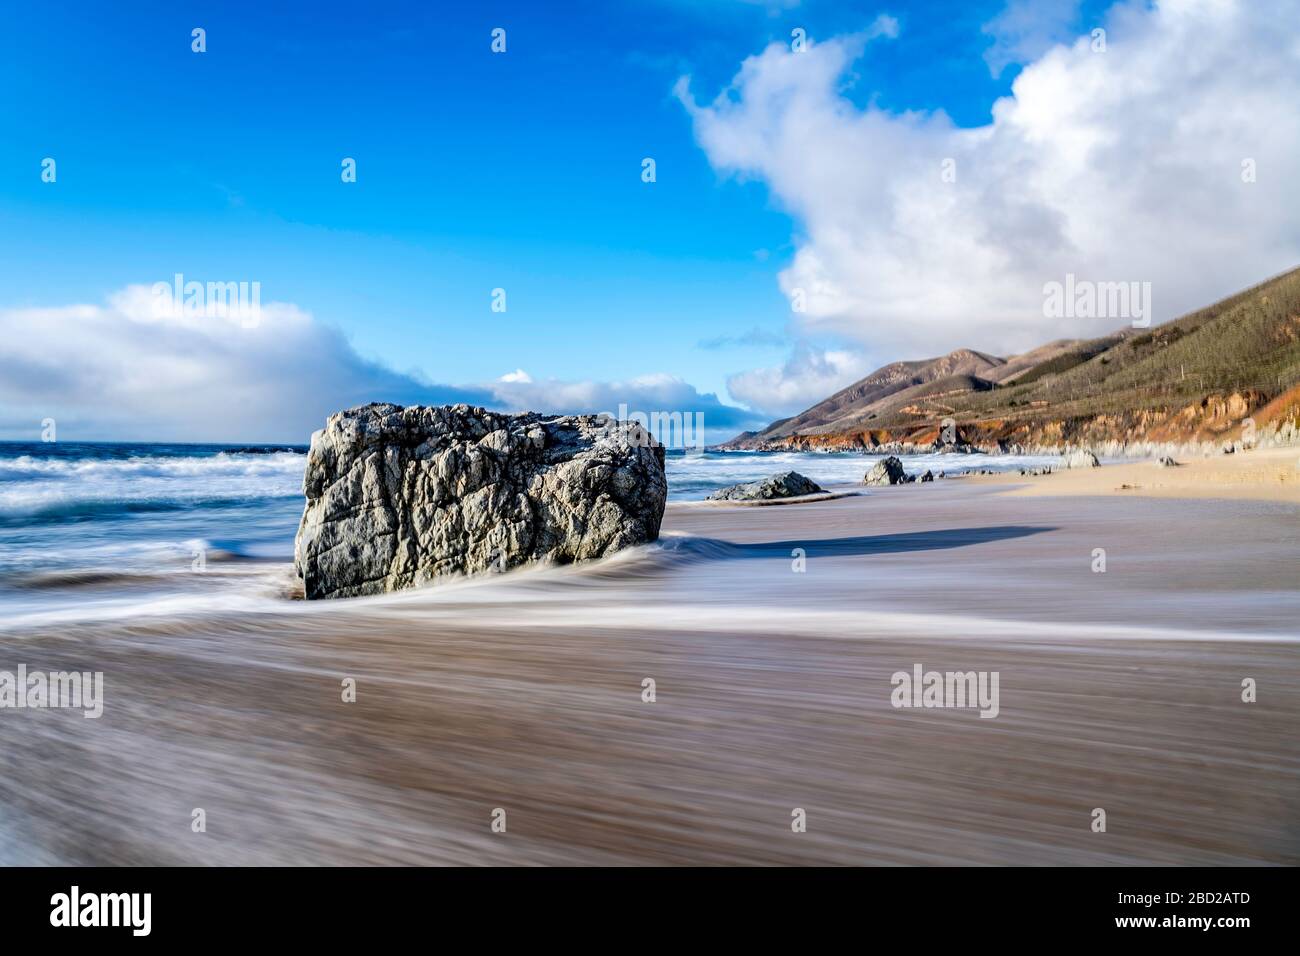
1271,474
1119,690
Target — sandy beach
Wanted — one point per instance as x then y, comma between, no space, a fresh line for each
1119,690
1271,474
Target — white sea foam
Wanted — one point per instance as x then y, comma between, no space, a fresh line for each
32,485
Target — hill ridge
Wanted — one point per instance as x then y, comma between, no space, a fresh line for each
1113,388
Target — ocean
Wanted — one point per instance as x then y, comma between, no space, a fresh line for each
85,526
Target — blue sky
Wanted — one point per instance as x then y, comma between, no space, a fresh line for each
475,171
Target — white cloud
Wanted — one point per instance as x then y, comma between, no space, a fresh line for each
117,371
1117,166
809,376
646,394
1025,29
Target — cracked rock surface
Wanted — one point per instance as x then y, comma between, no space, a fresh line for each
788,484
402,496
888,471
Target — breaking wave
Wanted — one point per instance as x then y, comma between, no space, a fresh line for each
36,488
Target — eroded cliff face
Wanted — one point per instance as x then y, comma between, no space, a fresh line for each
1240,418
400,496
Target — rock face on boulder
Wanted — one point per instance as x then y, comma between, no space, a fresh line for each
789,484
889,471
398,497
1080,459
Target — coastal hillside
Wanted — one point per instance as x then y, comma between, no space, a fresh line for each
1193,379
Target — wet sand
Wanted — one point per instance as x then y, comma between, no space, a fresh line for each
523,692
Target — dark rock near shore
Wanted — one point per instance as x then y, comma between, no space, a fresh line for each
397,497
888,471
790,484
264,449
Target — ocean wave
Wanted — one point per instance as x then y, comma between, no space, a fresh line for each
35,487
84,579
265,450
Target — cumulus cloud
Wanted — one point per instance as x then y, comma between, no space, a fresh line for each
808,376
1122,165
119,371
1025,29
645,394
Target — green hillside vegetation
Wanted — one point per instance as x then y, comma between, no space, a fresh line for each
1248,344
1067,360
1248,341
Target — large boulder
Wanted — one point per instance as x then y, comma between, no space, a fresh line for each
789,484
888,471
398,497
